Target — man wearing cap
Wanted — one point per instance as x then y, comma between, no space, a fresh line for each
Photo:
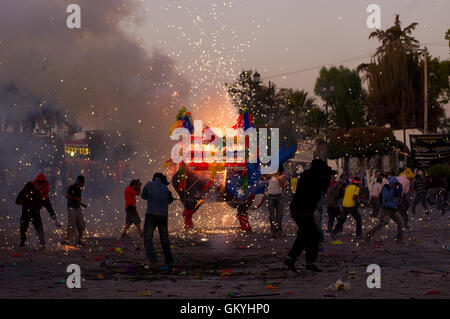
158,198
351,195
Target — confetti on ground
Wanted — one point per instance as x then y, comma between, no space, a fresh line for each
225,272
271,287
433,292
145,293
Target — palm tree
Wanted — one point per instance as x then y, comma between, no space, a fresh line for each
395,36
394,78
297,104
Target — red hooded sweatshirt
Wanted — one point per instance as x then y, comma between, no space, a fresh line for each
43,187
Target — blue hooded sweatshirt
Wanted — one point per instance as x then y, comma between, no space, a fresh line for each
158,197
389,193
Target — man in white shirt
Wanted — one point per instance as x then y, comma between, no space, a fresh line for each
374,196
275,203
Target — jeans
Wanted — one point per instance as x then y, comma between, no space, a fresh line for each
275,206
439,197
343,217
33,215
385,215
442,202
422,198
48,206
375,203
308,237
402,206
151,223
333,214
318,216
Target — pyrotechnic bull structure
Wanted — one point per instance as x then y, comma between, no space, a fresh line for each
238,183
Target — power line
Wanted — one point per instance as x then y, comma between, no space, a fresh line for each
435,44
318,66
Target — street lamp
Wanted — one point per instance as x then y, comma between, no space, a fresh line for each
256,77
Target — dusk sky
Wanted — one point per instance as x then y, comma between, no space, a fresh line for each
280,36
166,54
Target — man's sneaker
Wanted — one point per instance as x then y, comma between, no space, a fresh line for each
291,265
125,236
313,268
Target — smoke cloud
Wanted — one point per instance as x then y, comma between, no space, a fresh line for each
97,77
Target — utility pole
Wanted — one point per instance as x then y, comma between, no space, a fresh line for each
326,129
425,93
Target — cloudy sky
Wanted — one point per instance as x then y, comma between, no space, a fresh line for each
277,37
134,61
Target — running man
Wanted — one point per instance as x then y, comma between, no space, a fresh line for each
132,216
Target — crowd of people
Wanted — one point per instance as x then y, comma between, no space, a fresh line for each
389,197
35,195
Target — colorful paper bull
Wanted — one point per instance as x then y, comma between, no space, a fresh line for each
240,185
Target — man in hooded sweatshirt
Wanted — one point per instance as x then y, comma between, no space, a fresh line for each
388,195
311,185
33,197
158,197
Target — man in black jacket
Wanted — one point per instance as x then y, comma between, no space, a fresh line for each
311,185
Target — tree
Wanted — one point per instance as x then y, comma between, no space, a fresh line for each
265,104
316,121
301,109
395,81
396,37
248,93
341,89
362,142
365,143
